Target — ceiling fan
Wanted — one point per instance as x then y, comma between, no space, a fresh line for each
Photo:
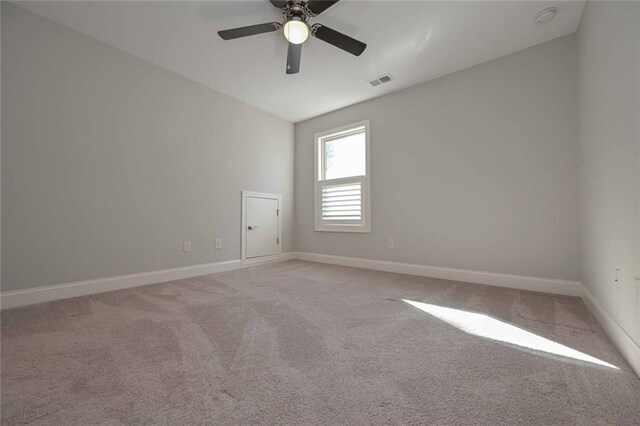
296,28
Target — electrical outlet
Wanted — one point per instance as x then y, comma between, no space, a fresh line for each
218,244
186,246
617,279
391,243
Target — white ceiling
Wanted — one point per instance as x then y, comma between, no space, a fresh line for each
414,41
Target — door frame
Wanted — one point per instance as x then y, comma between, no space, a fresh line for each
243,234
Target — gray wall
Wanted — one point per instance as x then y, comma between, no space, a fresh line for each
474,170
110,162
609,80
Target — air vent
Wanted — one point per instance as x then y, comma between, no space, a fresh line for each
381,80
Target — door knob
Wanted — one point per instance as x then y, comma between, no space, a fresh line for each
252,227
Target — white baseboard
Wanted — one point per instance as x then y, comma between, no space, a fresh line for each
544,285
629,349
291,255
625,344
12,299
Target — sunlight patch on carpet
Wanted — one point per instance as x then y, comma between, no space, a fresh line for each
490,328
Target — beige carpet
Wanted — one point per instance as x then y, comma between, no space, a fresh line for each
304,343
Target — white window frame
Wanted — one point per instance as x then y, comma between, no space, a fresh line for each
365,181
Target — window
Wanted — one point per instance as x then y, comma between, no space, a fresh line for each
342,202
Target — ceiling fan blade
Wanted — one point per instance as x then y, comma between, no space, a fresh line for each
249,31
293,58
279,3
319,6
338,39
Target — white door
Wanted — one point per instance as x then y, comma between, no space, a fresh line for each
262,233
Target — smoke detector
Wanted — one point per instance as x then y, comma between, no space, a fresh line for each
546,15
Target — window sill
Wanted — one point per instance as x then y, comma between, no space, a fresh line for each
345,229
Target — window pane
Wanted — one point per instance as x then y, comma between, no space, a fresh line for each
345,157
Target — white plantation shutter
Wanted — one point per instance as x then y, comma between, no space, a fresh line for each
342,201
342,179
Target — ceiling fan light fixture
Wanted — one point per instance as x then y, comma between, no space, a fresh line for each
296,31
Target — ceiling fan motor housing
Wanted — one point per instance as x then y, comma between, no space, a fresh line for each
297,9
